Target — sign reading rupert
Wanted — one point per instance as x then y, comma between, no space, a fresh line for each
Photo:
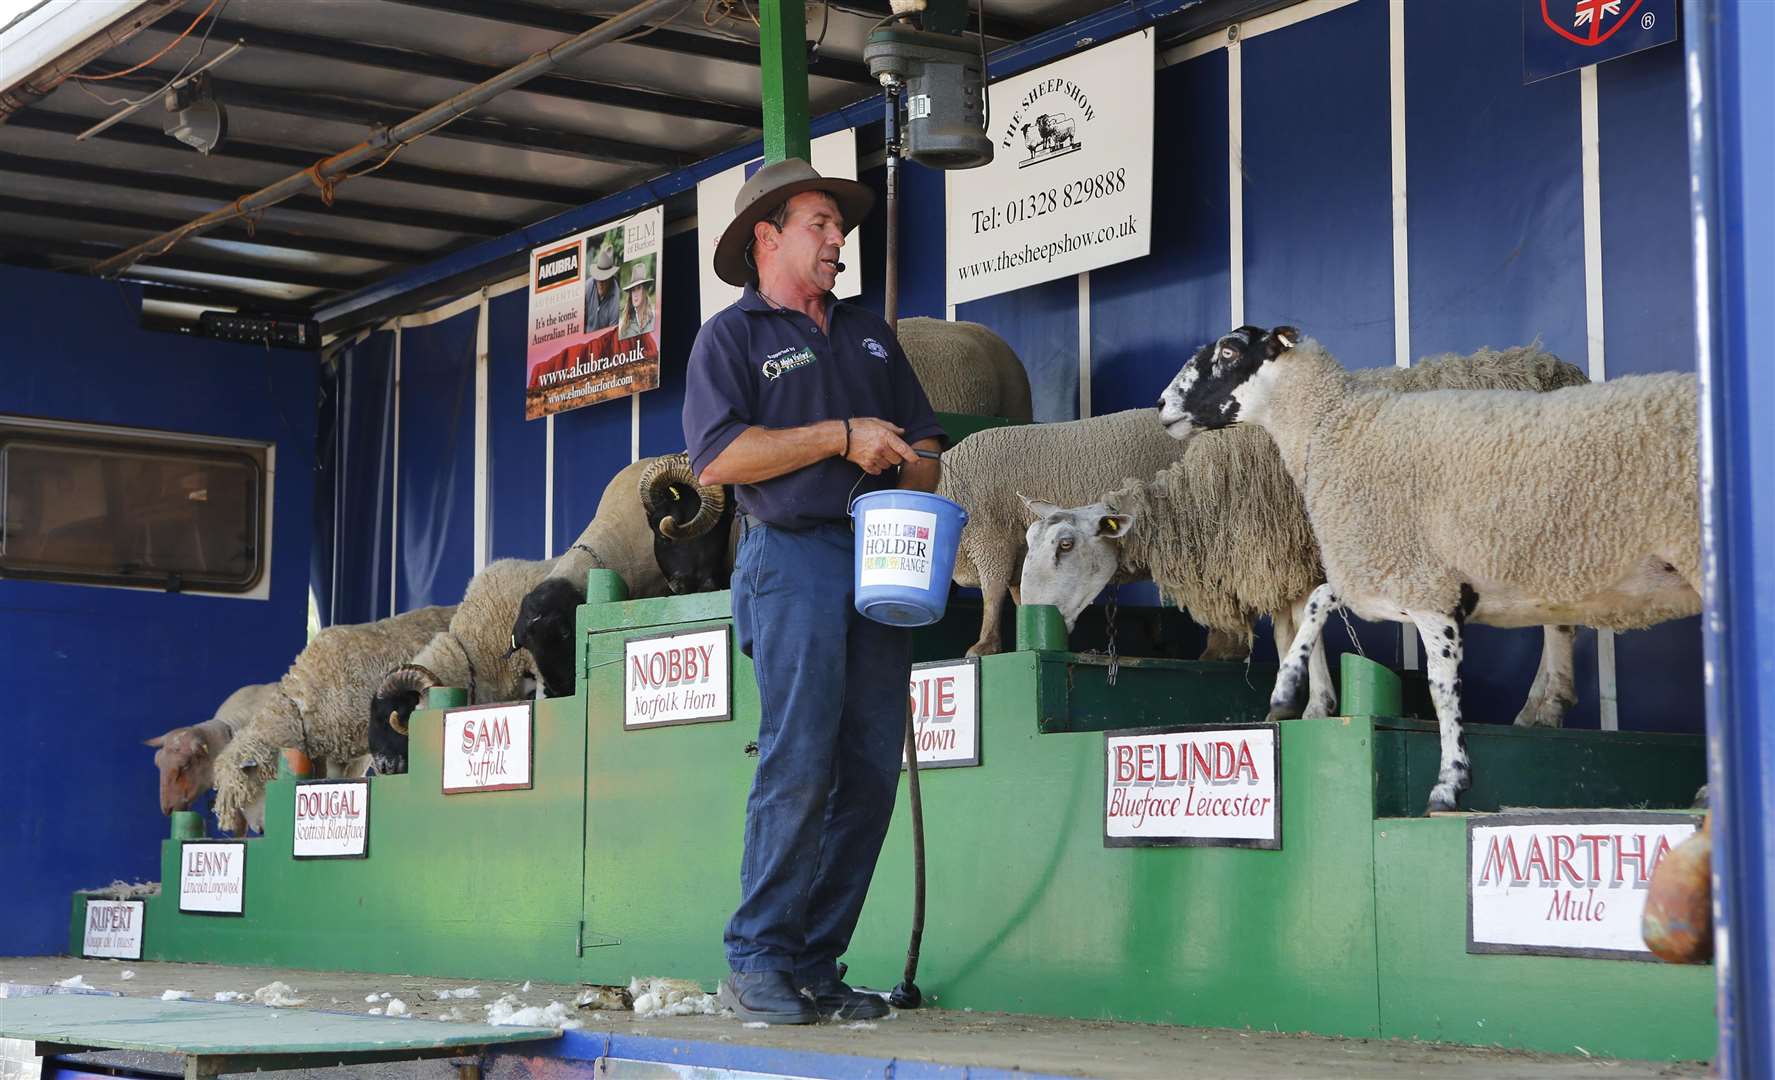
487,748
677,679
1565,883
113,929
213,877
1193,787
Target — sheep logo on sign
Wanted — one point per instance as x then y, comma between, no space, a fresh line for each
1047,132
1592,21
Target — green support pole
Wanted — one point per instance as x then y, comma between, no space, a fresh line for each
1369,689
1040,628
605,587
446,697
186,825
782,56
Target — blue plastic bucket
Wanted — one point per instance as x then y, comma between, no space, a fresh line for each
905,555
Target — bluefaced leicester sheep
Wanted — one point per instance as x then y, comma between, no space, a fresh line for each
319,709
186,756
1436,509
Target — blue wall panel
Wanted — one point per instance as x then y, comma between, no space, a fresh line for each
364,474
516,448
88,673
435,526
591,444
662,423
1042,324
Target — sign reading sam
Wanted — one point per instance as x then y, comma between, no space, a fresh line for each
113,929
1566,883
213,877
677,679
487,748
1196,786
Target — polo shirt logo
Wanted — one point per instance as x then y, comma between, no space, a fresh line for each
783,361
876,348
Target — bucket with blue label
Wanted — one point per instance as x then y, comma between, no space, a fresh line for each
905,555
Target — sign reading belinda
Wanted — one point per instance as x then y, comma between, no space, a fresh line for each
213,877
487,748
113,929
946,713
676,679
1565,883
332,819
1193,787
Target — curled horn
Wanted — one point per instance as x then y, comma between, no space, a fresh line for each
675,469
414,677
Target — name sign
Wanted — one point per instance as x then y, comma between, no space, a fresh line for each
332,820
114,929
946,713
212,877
487,748
677,679
1194,787
1571,883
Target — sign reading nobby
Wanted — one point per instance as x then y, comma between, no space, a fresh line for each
946,713
213,877
1565,883
1193,787
114,929
676,679
332,820
487,748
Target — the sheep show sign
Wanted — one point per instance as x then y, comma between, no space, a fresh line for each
212,877
113,929
487,748
332,820
946,713
677,679
1070,185
1566,882
1215,786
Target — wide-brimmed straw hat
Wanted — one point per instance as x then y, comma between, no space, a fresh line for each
768,189
605,266
639,274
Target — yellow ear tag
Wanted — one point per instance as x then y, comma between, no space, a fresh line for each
1111,525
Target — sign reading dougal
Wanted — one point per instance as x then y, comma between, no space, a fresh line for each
213,877
946,713
1069,188
1565,883
332,820
1193,787
487,748
113,929
677,679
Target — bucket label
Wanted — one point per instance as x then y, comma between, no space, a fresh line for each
897,548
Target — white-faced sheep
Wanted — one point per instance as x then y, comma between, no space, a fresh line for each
1224,534
474,652
318,709
1435,509
186,756
966,368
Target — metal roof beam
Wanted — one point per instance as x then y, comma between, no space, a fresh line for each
193,187
389,58
541,17
207,296
269,273
997,26
38,119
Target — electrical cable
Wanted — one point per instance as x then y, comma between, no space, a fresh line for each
152,94
169,48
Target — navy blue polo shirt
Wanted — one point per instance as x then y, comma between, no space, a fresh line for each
756,365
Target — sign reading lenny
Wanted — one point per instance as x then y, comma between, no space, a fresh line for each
1566,883
676,679
1197,786
332,820
113,929
487,748
213,877
1069,188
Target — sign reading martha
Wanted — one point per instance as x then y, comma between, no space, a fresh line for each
332,819
1566,883
114,929
677,679
946,713
1564,35
213,877
594,316
487,748
897,547
1069,188
1193,787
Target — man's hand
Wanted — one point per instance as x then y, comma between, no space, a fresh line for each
876,446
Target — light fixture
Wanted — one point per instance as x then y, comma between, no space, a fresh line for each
194,116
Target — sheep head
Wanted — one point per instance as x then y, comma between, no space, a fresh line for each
400,693
187,764
1073,554
1228,381
679,508
544,626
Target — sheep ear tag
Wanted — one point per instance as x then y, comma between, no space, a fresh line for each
1112,525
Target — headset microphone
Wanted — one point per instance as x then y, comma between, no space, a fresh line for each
839,266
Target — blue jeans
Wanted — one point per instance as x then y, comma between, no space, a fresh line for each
832,689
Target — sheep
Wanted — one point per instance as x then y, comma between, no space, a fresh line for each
471,653
966,368
317,708
1223,532
1499,507
691,524
618,538
186,756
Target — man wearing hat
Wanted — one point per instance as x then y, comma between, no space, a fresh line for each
603,299
802,402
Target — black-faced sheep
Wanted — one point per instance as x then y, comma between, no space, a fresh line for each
474,652
318,708
186,756
1580,506
692,526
